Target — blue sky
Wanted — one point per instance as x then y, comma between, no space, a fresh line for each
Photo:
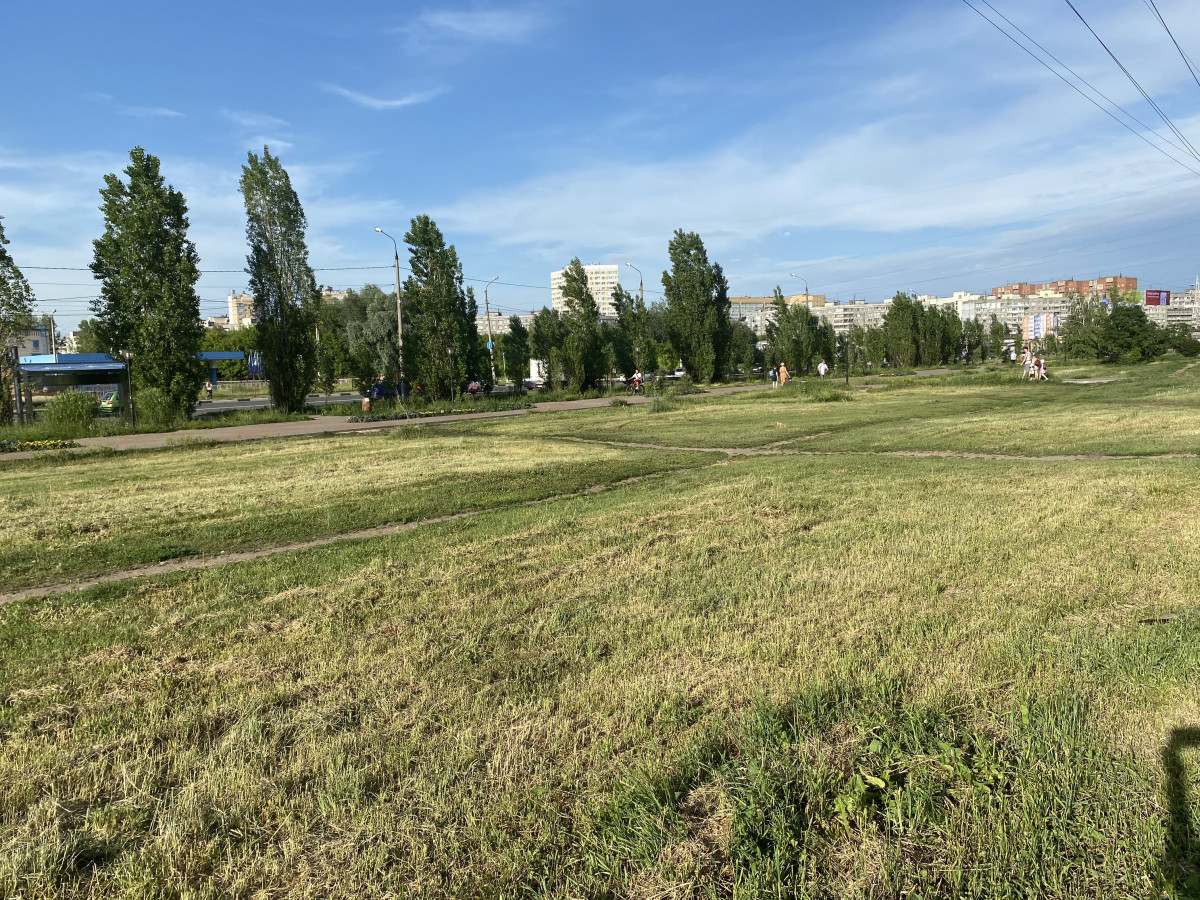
869,146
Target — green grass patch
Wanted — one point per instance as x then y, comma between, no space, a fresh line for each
197,499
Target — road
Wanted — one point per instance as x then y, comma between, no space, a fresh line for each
204,407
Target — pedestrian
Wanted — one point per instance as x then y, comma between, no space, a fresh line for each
1026,361
1041,370
208,388
774,377
784,375
823,369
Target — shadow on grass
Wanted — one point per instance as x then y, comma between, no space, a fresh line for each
1181,855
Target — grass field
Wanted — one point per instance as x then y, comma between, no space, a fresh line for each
844,675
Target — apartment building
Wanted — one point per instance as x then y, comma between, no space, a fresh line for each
758,312
602,281
499,323
1097,287
241,310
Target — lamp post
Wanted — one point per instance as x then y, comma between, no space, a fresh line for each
807,295
641,296
127,355
487,315
53,342
399,310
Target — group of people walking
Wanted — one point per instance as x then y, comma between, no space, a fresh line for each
780,374
1033,365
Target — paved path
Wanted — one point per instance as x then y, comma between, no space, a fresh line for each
337,424
332,425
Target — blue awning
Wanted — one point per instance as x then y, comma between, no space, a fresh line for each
69,368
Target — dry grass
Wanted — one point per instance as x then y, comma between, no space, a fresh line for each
682,687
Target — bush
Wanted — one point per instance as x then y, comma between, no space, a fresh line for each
154,408
660,404
71,413
825,393
618,401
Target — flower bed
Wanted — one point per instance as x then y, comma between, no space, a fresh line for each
426,413
26,446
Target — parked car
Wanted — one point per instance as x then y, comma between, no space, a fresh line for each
110,402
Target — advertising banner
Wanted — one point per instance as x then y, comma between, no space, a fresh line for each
1158,298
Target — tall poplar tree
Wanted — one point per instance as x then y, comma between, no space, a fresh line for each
147,270
722,335
16,317
286,301
514,349
795,334
583,348
691,313
442,348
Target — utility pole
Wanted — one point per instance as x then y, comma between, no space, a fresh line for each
487,315
637,350
399,310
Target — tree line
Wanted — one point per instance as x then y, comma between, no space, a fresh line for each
1116,331
148,306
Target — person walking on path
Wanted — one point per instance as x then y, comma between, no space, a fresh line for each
208,388
784,376
823,369
1026,361
774,377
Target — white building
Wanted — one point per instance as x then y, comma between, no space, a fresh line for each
499,323
602,281
241,310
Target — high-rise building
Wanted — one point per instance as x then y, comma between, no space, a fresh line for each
241,310
602,281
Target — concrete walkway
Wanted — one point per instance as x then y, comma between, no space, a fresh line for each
337,425
330,425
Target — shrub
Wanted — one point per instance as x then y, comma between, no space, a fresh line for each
154,408
660,404
71,413
825,393
618,401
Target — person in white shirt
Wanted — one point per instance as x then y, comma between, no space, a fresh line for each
823,369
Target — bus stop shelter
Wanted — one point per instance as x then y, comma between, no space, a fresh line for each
92,372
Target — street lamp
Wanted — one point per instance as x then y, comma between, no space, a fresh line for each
642,297
399,310
53,342
641,286
807,295
127,355
487,315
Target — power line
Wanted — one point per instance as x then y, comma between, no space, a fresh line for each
1162,115
1091,86
1077,90
1191,67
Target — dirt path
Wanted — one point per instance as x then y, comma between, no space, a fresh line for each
228,559
777,449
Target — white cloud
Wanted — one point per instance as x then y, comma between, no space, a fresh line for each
381,103
507,26
150,112
253,120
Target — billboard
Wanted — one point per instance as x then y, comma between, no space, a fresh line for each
1158,298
